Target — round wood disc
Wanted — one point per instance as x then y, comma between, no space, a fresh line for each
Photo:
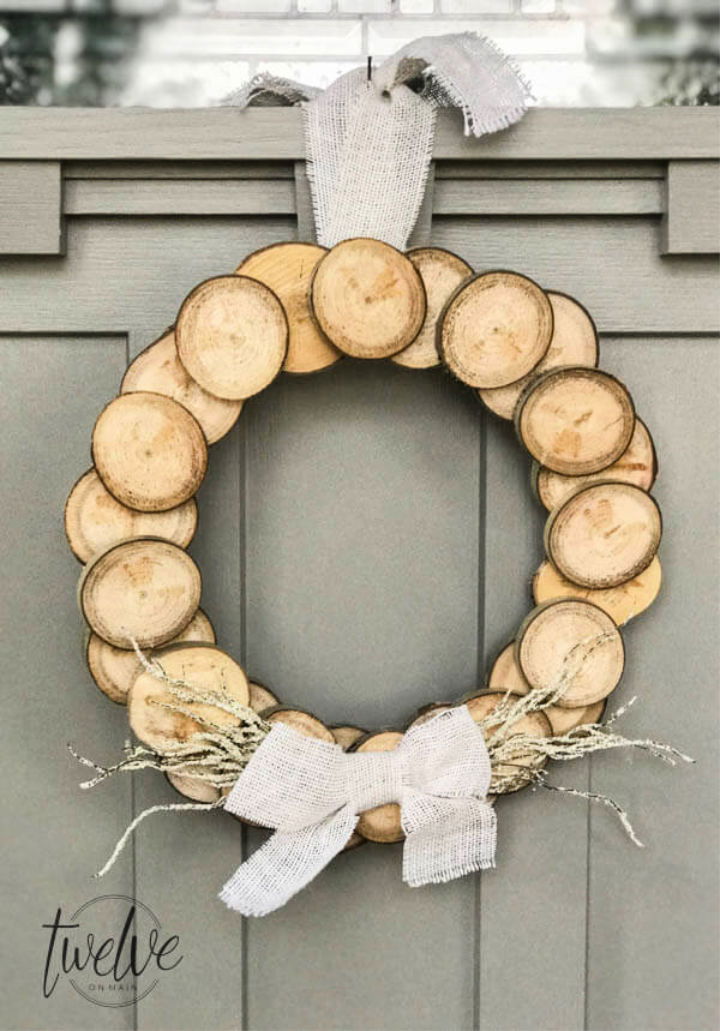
575,420
287,268
622,603
114,669
158,369
206,668
574,342
368,298
232,336
147,589
261,698
94,519
441,272
534,724
194,788
381,824
301,721
149,451
637,464
565,639
426,712
346,736
563,721
603,534
506,675
495,328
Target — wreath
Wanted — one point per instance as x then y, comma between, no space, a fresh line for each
530,355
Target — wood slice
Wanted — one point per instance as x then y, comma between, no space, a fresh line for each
232,336
495,328
574,342
287,268
566,639
114,669
506,674
575,420
158,369
603,534
149,452
534,724
637,464
563,721
301,721
441,272
622,603
346,736
381,824
94,519
206,668
261,698
194,788
426,712
368,298
147,589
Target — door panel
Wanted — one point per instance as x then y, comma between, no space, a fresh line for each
367,539
56,836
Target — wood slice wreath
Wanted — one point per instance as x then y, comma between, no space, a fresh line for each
530,354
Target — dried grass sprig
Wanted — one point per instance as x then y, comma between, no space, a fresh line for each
218,754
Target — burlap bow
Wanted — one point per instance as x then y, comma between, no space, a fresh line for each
311,793
369,141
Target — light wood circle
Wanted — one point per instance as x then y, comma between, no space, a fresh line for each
563,721
346,736
261,698
368,298
575,420
533,724
603,534
94,519
507,675
495,328
146,588
301,721
382,823
637,464
232,336
622,603
206,668
149,451
426,712
441,272
159,370
574,342
115,669
194,788
287,268
574,642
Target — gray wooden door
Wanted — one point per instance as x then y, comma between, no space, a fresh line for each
367,541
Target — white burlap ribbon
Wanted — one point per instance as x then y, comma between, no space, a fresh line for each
311,793
369,141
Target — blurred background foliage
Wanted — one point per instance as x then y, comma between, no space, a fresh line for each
108,52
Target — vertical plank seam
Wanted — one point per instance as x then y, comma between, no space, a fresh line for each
242,561
482,534
588,884
133,807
